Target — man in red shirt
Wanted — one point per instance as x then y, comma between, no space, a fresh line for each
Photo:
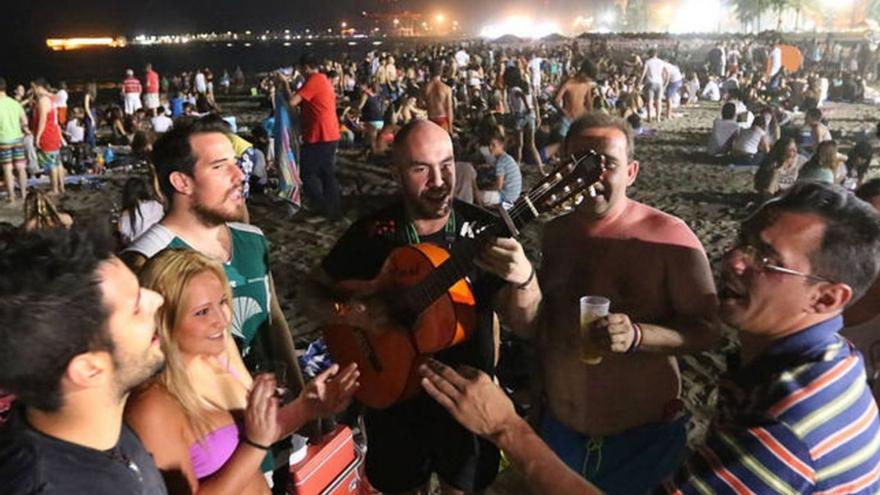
131,92
151,96
320,132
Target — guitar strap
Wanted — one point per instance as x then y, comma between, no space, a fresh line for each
450,232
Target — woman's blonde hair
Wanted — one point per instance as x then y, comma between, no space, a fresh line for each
169,273
40,212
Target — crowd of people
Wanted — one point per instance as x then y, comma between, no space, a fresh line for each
158,382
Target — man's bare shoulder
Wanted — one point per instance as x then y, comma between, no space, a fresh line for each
154,406
665,227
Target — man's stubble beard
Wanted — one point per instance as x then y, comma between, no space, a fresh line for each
211,217
140,373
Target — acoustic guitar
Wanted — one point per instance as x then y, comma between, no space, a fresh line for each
426,292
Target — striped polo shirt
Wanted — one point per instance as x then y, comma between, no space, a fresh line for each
799,419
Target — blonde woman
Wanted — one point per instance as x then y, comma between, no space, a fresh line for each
41,213
206,422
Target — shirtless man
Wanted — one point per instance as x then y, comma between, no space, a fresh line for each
617,423
574,98
438,98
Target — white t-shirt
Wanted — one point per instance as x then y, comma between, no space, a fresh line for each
201,83
535,70
722,130
76,133
775,60
61,99
462,58
150,213
674,73
712,92
747,140
161,123
654,70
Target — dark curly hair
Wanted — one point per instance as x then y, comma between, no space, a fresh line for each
51,309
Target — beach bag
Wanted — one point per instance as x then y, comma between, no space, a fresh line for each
332,467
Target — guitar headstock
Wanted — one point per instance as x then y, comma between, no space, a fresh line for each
572,177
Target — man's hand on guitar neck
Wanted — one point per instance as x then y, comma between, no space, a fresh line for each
505,258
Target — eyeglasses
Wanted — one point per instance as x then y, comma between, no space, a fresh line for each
764,264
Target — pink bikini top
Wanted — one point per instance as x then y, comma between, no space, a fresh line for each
215,448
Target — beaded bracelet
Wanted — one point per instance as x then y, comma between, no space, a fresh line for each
637,340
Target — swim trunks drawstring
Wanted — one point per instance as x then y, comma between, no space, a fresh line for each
593,445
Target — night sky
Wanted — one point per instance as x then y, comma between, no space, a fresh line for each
36,19
25,24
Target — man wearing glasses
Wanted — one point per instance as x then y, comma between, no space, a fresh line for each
795,412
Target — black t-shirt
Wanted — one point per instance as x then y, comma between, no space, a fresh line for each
34,463
361,251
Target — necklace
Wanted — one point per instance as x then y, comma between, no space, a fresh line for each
118,457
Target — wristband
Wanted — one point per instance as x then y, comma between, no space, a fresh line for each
244,439
637,340
528,281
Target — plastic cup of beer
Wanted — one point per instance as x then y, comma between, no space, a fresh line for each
592,308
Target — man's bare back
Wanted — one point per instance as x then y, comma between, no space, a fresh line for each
573,97
643,278
438,99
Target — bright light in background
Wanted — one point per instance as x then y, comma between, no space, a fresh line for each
608,17
440,18
58,44
693,16
521,26
835,4
582,23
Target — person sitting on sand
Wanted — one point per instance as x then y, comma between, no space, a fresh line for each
724,129
205,421
41,213
140,210
819,132
780,169
858,161
749,146
711,92
692,89
824,166
506,187
384,138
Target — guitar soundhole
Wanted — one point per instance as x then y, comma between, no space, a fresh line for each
367,350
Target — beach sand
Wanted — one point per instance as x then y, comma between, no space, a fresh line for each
674,177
